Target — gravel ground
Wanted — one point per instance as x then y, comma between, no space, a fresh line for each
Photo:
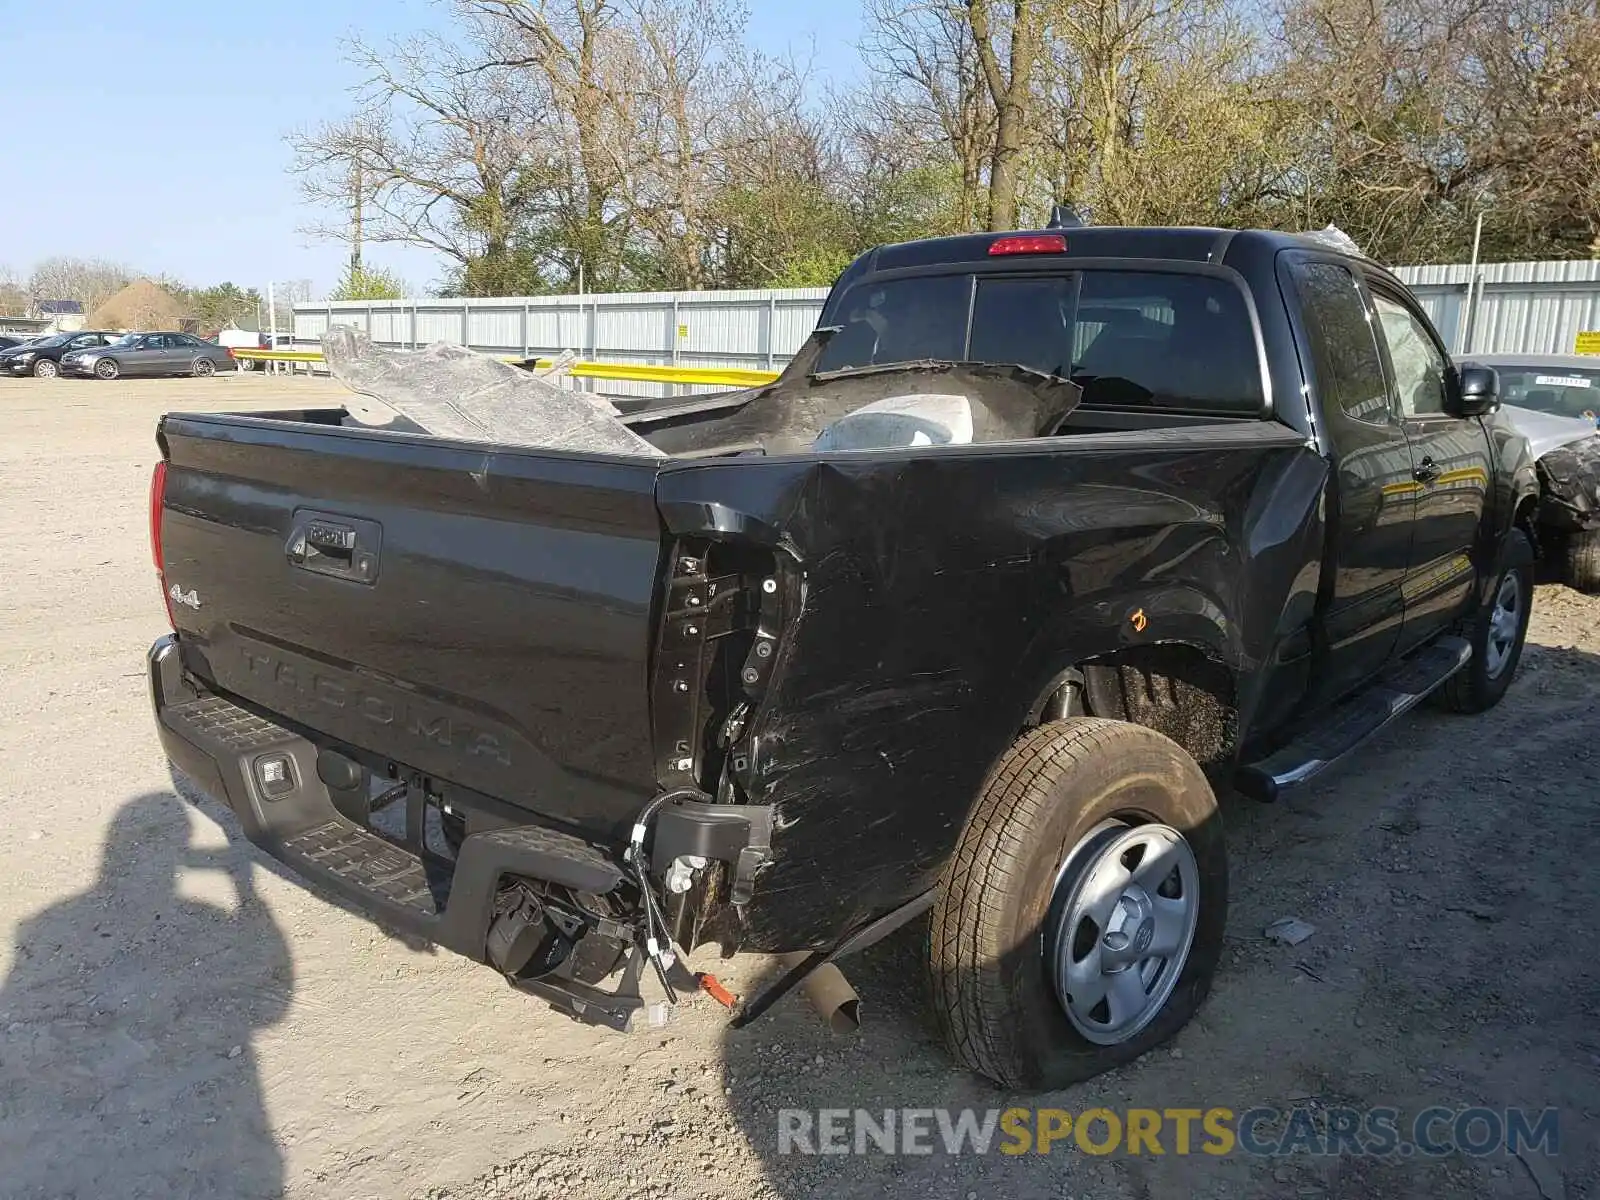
179,1018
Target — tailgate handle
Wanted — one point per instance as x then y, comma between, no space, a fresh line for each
344,547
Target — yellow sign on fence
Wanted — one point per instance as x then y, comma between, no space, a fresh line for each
1588,342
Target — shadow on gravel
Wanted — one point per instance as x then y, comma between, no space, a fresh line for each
126,1024
1425,867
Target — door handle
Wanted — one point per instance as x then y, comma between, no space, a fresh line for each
1426,471
343,547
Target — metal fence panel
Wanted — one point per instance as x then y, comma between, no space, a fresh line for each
757,329
1526,307
498,329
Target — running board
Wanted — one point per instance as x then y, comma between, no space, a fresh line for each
1337,733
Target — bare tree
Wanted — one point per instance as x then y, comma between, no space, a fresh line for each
1391,98
13,296
91,281
930,93
439,150
617,144
678,114
1153,112
1009,39
572,55
1541,86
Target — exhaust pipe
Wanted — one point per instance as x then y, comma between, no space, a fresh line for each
829,993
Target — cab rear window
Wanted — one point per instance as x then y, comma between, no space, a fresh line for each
1181,341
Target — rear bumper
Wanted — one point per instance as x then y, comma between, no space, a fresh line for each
218,745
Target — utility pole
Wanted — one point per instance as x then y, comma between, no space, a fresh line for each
356,196
1469,313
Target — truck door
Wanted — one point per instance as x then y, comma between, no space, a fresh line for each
1450,457
1371,499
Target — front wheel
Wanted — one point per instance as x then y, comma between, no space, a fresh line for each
1583,560
1497,634
1080,920
106,368
203,367
45,369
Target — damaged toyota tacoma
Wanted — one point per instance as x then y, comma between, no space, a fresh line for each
1041,541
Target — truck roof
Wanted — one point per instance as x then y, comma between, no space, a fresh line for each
1192,244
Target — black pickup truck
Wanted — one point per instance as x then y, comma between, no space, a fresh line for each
1041,540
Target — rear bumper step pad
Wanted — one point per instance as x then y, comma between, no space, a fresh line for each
217,744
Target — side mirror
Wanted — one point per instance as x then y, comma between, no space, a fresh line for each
1477,391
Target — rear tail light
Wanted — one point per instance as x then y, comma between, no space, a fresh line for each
158,496
1029,243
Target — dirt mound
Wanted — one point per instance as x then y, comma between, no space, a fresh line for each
143,304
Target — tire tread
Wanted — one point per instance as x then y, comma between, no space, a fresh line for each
1583,560
971,1002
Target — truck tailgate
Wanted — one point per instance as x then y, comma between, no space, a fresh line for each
479,615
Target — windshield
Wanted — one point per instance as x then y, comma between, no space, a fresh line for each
1140,338
55,339
1560,391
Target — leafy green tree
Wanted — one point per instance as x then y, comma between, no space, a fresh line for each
369,283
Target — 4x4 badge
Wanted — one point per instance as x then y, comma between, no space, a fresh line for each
190,599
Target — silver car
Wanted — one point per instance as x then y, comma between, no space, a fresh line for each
1554,402
149,354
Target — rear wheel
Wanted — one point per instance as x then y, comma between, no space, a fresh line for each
204,366
44,368
1583,560
1081,918
106,368
1497,634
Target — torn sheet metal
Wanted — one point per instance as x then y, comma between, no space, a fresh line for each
803,411
1569,486
944,591
452,392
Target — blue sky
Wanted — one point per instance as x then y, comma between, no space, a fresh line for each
153,135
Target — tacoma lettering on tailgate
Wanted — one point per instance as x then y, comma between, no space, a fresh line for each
405,713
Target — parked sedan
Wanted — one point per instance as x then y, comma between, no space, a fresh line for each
1554,400
43,356
149,354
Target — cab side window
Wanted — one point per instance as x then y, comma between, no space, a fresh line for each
1419,368
1344,349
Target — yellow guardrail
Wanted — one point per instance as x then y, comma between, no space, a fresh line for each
739,377
278,355
730,377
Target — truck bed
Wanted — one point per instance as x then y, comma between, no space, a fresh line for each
512,627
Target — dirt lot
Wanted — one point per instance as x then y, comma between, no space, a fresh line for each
179,1018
